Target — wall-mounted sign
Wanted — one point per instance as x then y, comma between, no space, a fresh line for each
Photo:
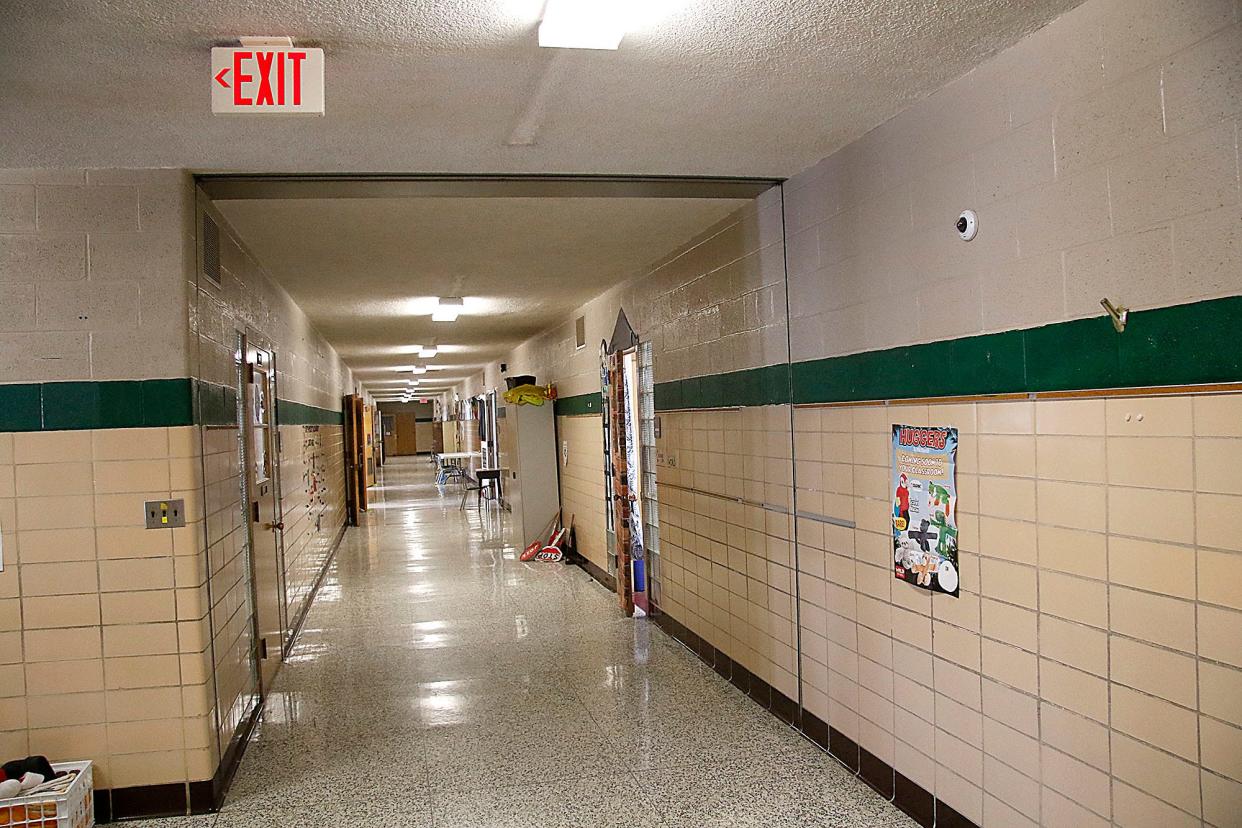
253,80
925,507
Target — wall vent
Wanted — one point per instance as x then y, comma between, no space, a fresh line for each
211,250
580,332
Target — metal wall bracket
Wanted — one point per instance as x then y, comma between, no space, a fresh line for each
1119,314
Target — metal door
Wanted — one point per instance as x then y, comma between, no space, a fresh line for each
266,525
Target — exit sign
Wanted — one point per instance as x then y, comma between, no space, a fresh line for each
251,80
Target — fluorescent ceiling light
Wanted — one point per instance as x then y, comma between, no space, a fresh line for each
429,350
582,24
448,309
420,369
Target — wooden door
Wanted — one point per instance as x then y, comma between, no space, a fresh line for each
355,459
389,425
266,526
368,430
405,432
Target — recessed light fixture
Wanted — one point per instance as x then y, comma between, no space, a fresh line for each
582,24
448,309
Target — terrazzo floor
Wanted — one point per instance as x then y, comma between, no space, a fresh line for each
441,682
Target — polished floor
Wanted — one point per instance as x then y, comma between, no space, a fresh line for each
441,682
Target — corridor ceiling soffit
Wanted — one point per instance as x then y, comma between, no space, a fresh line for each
366,270
760,88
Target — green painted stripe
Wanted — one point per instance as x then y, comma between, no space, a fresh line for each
294,413
64,406
424,419
1189,344
768,385
592,403
215,405
73,406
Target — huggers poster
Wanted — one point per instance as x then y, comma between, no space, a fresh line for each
925,507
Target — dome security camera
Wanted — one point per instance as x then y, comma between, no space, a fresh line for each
967,225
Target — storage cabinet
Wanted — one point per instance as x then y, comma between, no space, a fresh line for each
527,435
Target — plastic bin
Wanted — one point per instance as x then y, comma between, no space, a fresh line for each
75,808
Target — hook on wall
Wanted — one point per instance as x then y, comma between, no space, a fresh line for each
1119,314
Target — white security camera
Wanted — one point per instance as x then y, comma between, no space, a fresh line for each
967,225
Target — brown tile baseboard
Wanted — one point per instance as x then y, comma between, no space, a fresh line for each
759,691
607,581
876,772
143,801
177,799
206,796
914,801
907,795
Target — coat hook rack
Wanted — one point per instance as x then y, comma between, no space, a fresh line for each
1119,314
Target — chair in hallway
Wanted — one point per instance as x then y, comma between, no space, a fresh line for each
447,471
485,484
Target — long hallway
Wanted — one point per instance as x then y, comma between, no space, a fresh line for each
439,681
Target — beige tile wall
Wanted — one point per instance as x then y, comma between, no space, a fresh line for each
1090,670
582,483
1101,154
311,477
726,565
103,629
228,567
93,267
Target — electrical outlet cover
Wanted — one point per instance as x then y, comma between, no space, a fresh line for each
165,514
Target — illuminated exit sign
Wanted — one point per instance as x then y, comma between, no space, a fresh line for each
252,80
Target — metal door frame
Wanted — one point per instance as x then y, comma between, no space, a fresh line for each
248,345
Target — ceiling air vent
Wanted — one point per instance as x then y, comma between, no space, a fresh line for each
580,332
211,250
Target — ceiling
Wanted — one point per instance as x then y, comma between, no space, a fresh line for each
366,269
699,87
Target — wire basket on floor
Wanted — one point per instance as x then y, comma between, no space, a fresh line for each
71,808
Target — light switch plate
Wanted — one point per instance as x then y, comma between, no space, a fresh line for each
165,514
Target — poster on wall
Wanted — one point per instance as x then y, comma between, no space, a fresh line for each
925,507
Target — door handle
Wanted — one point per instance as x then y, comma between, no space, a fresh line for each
280,525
